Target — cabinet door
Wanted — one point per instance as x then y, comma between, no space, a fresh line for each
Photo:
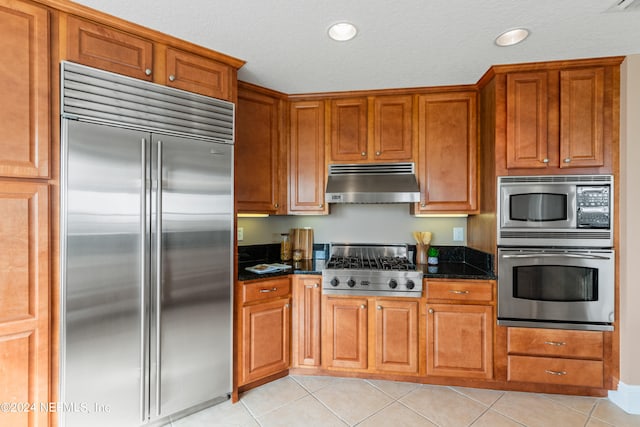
447,166
24,103
527,117
306,321
397,336
344,338
257,152
24,300
306,158
349,129
582,118
460,340
109,49
392,128
198,74
265,339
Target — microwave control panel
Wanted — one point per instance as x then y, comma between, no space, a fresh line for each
593,205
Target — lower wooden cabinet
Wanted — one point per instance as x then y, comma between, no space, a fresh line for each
265,328
24,300
374,334
555,356
306,296
460,340
396,336
344,336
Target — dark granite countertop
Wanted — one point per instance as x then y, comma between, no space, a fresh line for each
310,266
454,270
456,262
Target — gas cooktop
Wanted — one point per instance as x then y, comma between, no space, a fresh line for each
371,269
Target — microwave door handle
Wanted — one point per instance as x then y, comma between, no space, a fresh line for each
583,256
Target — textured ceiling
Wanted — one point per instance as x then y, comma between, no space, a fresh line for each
405,43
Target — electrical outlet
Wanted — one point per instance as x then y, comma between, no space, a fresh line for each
240,234
458,235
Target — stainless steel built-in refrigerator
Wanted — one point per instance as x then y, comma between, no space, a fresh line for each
146,250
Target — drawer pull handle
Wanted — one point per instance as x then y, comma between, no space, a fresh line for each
559,373
264,291
556,343
453,291
315,285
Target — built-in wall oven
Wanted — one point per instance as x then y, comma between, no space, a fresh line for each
556,288
556,264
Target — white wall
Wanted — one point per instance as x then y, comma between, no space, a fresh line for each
386,223
630,221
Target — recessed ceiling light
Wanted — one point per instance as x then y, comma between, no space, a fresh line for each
511,37
342,31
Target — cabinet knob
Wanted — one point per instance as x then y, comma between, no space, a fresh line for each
567,160
172,78
363,306
545,160
431,311
286,305
422,205
320,205
377,153
364,153
379,307
276,205
147,71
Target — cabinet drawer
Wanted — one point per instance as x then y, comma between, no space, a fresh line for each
556,342
263,290
551,370
460,290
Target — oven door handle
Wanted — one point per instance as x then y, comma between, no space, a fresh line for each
569,255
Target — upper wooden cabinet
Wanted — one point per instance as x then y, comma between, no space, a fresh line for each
111,48
447,152
371,128
25,88
556,118
195,73
107,48
306,158
259,166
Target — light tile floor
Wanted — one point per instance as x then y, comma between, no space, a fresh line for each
309,401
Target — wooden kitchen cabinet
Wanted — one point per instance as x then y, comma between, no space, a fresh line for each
110,49
555,356
25,86
396,336
259,163
460,319
344,332
384,339
306,318
198,74
560,117
118,47
264,329
24,297
307,169
374,128
447,153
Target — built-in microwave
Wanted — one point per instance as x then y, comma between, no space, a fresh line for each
557,210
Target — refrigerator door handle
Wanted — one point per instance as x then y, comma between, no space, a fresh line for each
158,274
144,280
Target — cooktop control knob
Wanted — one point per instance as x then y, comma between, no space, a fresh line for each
410,284
351,283
335,282
393,283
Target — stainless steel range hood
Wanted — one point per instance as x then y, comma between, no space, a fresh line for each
372,183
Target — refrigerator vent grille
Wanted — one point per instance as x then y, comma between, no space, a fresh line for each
94,94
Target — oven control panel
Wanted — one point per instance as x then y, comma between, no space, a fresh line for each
593,206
